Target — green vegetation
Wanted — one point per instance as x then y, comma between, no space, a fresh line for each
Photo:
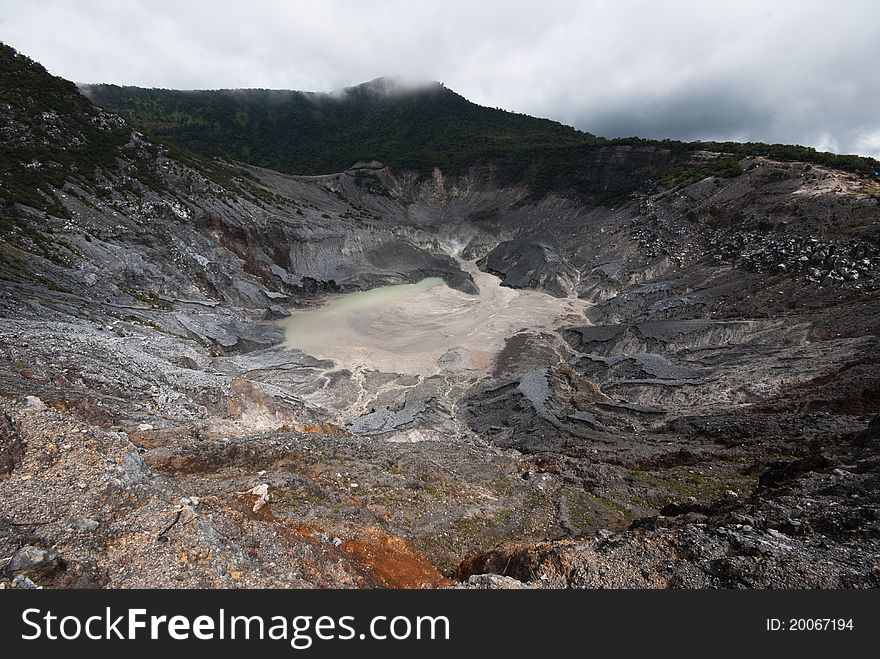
57,142
681,176
305,133
289,498
57,135
604,503
148,298
59,138
503,485
870,189
28,232
481,524
678,483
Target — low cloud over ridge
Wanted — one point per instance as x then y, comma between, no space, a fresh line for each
788,71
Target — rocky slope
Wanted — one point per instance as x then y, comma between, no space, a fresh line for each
709,419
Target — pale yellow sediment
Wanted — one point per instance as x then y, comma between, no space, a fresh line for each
408,328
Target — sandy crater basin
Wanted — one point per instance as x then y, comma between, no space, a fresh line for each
426,327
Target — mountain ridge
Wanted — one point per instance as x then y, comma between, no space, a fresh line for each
307,133
319,133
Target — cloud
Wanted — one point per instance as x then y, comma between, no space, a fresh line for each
800,71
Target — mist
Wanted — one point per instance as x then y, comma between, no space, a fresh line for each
796,72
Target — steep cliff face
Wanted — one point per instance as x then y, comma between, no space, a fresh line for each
713,371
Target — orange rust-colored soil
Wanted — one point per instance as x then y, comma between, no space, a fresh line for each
393,562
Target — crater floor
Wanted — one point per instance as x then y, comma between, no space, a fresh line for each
428,327
678,391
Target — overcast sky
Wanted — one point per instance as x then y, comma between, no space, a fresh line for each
802,71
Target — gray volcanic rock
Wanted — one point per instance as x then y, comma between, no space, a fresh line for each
531,262
700,412
33,562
